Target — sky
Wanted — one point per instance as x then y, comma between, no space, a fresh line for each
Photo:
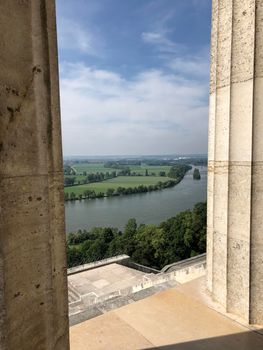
134,76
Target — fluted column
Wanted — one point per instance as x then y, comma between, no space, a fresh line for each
235,180
33,289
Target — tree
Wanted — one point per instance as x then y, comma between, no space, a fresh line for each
130,228
92,194
120,190
67,170
196,174
69,181
109,192
107,235
100,195
175,239
116,246
72,196
87,193
146,172
128,236
94,250
178,171
91,177
149,246
74,256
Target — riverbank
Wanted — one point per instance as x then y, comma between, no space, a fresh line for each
127,184
118,186
148,208
183,236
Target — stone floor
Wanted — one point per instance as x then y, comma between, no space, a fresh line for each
105,280
88,289
177,318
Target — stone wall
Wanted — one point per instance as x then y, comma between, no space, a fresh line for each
121,259
181,275
139,267
33,287
235,170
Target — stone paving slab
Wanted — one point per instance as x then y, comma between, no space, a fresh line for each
105,279
80,314
107,332
169,320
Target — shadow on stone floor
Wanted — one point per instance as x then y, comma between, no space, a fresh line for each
251,340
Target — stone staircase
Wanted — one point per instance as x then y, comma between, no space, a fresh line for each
73,296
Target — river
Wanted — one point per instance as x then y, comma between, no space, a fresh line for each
149,208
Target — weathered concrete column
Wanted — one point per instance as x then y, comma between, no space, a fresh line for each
33,289
235,181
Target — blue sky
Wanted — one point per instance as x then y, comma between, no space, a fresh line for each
134,76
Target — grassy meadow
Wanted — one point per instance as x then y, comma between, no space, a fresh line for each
99,167
120,181
91,168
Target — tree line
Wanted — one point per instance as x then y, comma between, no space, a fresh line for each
176,173
90,178
71,180
111,192
175,239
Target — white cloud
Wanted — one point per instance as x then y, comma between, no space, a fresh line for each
196,66
72,36
160,41
155,112
156,39
175,56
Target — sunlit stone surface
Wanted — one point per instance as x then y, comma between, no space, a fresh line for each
235,185
175,319
33,292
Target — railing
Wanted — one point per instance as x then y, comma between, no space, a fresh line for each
139,267
199,259
96,264
181,272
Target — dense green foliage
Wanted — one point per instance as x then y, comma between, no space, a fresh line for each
196,174
178,238
69,180
178,171
119,188
88,178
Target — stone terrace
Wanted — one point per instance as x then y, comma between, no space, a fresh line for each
177,318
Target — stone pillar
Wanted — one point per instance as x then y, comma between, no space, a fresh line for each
33,288
235,180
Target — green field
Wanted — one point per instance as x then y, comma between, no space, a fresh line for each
91,168
99,167
77,177
120,181
151,169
